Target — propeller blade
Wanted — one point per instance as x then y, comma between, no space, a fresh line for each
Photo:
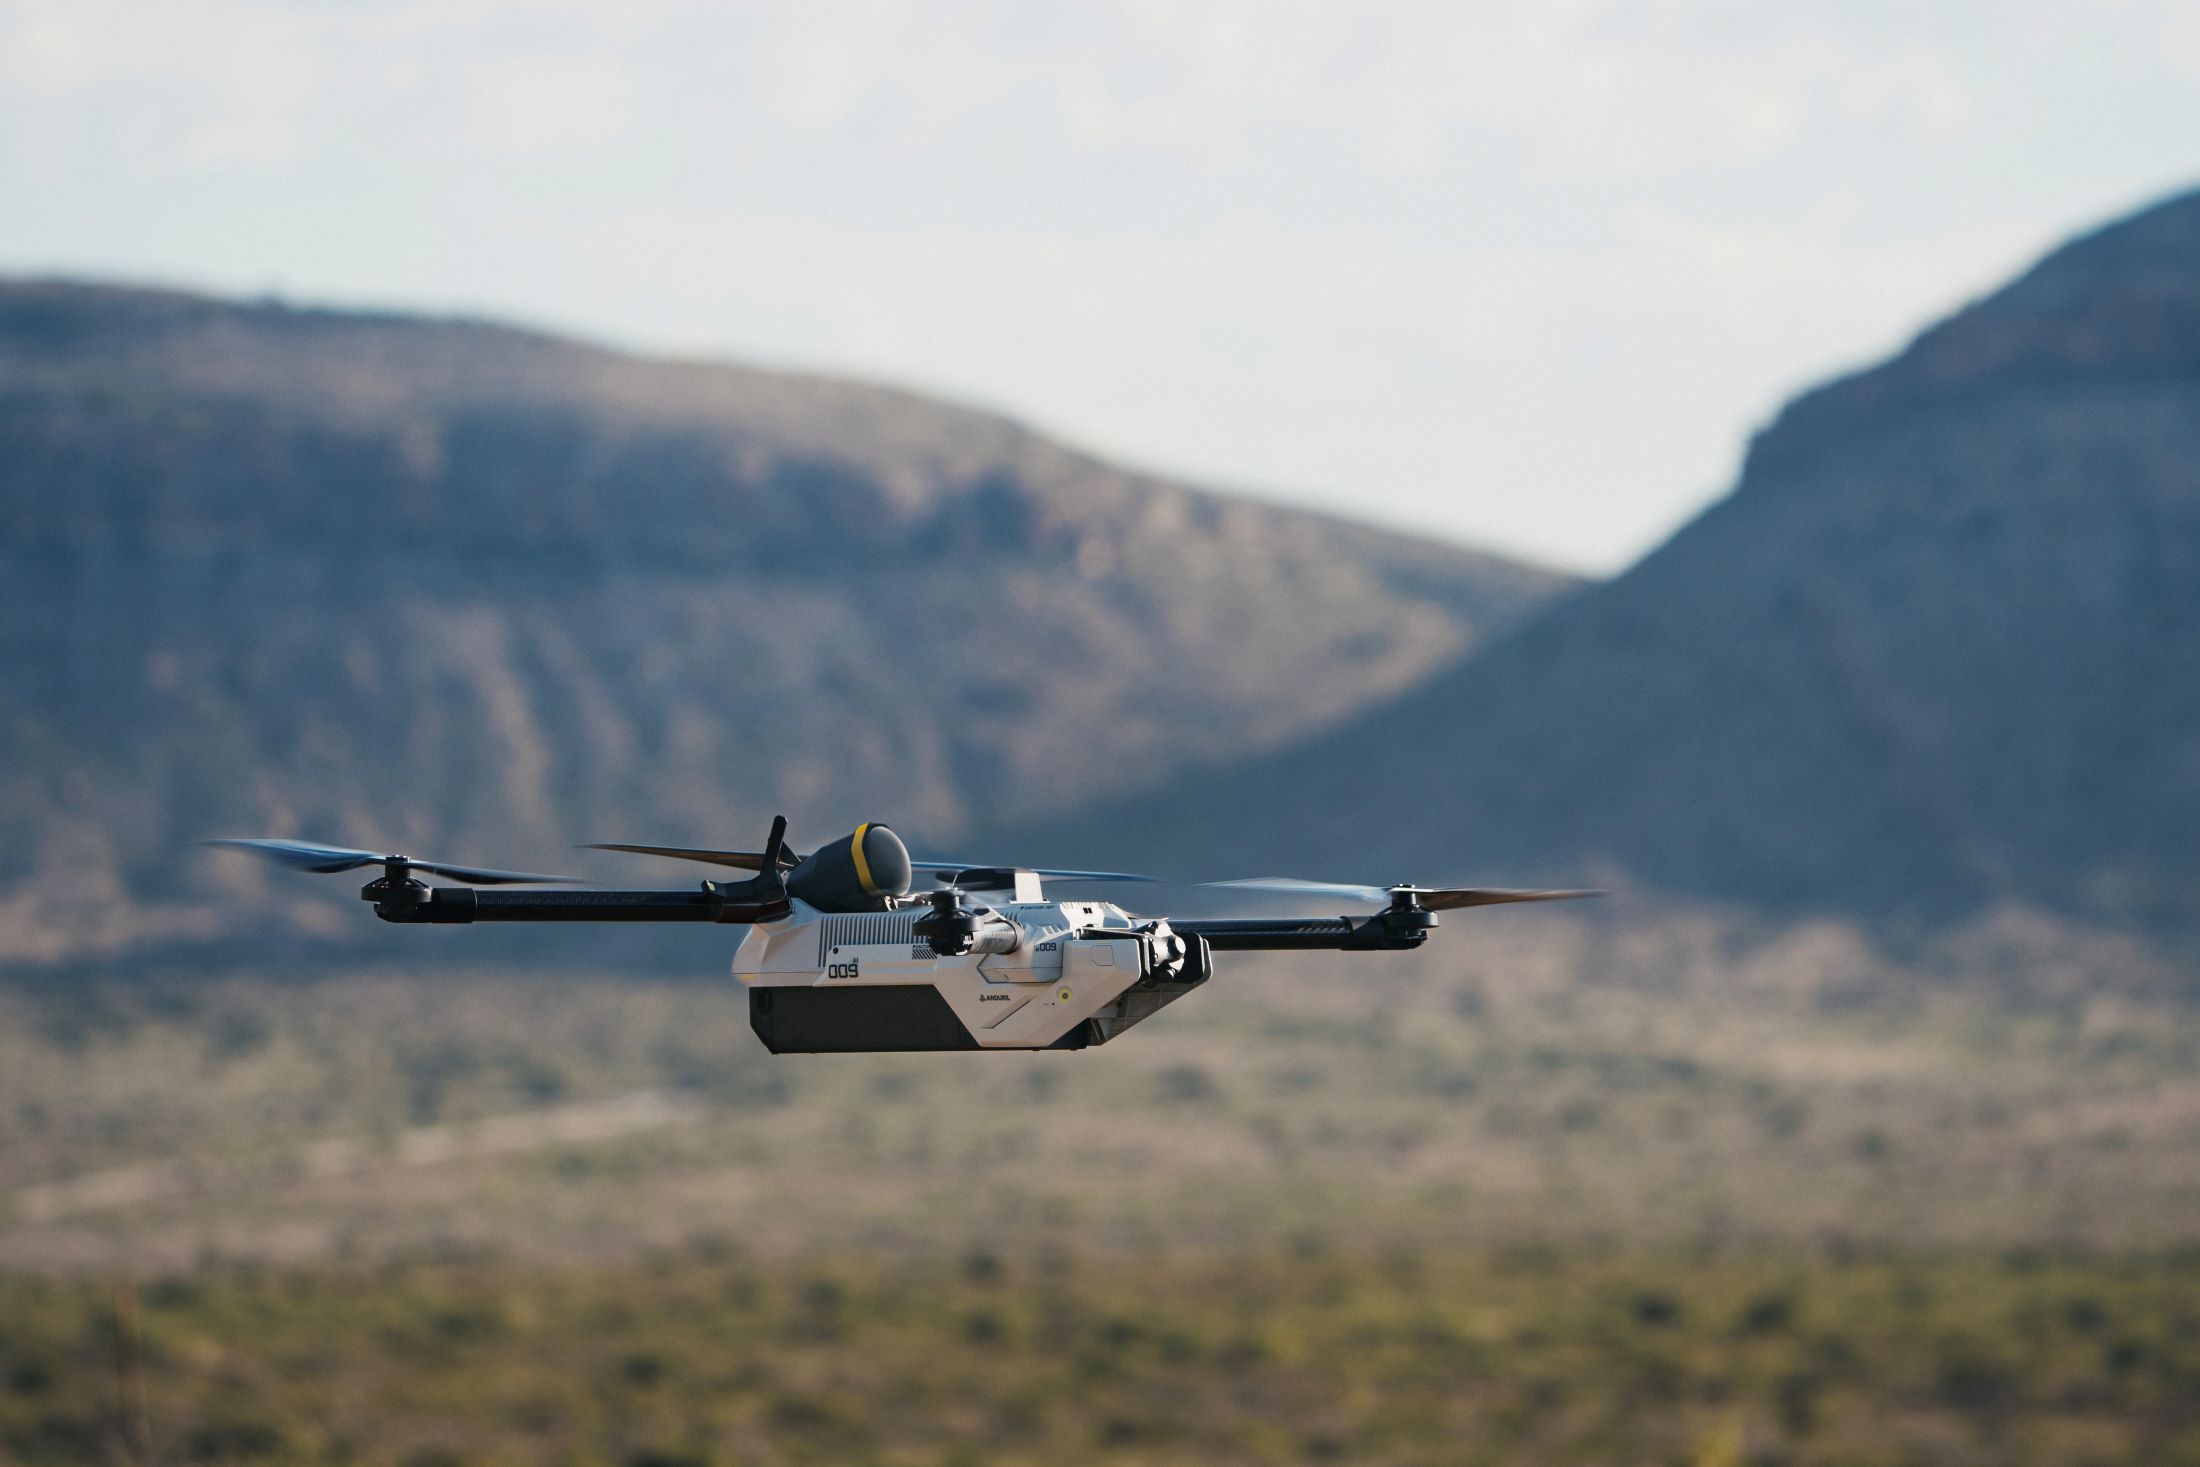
489,876
1048,873
1292,886
1433,898
1447,898
300,855
741,860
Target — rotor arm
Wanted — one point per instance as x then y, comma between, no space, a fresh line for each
1399,927
1398,930
441,904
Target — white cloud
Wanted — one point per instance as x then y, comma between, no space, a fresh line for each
549,104
206,87
2181,39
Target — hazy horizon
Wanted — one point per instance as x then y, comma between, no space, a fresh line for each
1524,279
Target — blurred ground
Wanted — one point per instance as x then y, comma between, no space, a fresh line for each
1531,1078
1514,1194
709,1355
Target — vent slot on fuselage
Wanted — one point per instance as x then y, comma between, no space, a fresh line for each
866,929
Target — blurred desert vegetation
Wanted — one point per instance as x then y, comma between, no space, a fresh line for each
1566,1188
710,1354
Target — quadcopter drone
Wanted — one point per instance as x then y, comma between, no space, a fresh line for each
839,957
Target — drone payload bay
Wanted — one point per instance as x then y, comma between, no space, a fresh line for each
840,957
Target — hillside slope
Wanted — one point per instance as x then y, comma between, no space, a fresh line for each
1938,651
483,592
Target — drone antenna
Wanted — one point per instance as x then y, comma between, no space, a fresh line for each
769,878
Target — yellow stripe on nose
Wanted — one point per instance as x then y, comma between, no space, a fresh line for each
863,867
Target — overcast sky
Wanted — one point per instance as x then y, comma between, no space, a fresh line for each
1518,272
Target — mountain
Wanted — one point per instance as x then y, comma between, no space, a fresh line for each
1937,653
483,593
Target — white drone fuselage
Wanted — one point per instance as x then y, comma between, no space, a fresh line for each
1042,974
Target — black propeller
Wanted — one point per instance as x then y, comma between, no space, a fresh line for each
1427,898
301,855
979,876
969,875
740,860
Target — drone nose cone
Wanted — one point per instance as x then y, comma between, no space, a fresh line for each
855,873
884,864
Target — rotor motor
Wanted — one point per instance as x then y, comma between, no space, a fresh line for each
954,930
